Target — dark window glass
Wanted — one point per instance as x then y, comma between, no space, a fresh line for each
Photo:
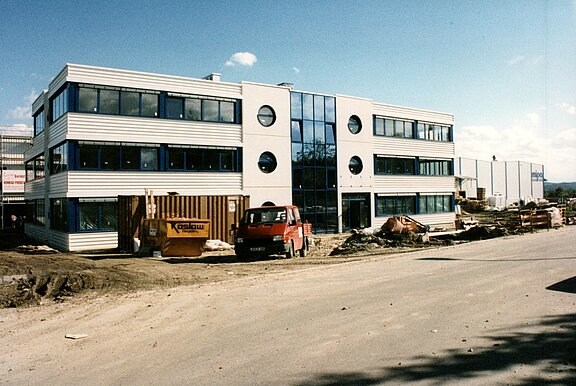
308,154
318,108
297,178
59,214
355,165
319,132
354,124
331,178
88,156
176,158
267,162
210,110
88,100
388,127
308,131
227,112
39,167
330,109
109,215
330,134
194,159
309,178
109,157
149,158
296,131
296,105
109,102
174,108
59,159
409,129
227,160
149,105
307,106
130,103
330,155
410,167
321,178
88,213
266,116
193,109
39,123
211,160
296,155
130,158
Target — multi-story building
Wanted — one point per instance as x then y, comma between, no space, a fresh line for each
347,162
13,144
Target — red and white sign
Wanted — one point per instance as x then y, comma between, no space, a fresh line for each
13,181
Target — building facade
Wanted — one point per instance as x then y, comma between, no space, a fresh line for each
347,162
12,177
513,180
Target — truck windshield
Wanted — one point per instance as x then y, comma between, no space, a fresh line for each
264,216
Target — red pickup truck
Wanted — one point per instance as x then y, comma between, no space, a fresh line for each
272,230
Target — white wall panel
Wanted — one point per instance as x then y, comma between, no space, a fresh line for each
498,178
58,81
111,184
411,113
92,241
98,127
36,232
57,130
525,178
413,184
34,189
512,183
150,81
58,184
484,173
426,219
412,147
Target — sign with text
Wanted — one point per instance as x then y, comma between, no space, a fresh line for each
13,181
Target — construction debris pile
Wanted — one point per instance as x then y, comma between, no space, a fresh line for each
405,233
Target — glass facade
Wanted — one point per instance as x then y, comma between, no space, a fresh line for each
314,178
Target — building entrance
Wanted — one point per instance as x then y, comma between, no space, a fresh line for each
355,211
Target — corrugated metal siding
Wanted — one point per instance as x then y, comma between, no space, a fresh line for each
222,211
58,240
37,147
92,241
412,147
410,113
413,184
106,184
39,102
58,81
36,232
426,219
34,189
99,127
58,185
142,80
58,130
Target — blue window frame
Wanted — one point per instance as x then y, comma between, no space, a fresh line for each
59,104
39,122
395,205
96,215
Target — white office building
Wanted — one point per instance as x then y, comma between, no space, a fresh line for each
347,162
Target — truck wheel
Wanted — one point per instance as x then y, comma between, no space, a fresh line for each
304,250
290,252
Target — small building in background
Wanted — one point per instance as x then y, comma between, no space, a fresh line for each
14,142
515,181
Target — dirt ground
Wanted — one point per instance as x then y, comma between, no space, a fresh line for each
31,275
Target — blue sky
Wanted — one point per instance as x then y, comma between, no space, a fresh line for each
505,68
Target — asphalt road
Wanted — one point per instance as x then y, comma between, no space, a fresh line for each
501,311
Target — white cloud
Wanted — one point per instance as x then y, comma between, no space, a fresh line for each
296,70
570,109
524,141
242,58
24,112
516,60
19,129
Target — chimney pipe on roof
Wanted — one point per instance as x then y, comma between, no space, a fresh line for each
286,84
215,77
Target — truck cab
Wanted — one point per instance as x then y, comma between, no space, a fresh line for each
272,230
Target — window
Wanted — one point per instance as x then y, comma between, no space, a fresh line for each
210,110
35,212
130,102
393,127
87,100
59,214
88,156
355,165
435,167
174,108
435,203
39,122
109,102
266,116
149,105
193,109
182,158
35,168
227,112
394,166
433,132
395,205
59,104
59,159
267,162
354,124
94,215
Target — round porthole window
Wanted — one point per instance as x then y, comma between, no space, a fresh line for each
354,124
267,162
266,116
355,165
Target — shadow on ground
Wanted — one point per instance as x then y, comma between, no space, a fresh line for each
568,285
552,349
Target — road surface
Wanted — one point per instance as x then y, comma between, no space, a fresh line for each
500,311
